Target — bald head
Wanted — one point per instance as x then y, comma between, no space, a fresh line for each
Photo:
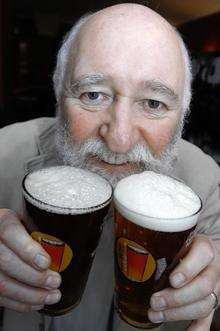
126,14
129,16
129,40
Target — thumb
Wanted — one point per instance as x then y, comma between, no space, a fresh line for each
202,324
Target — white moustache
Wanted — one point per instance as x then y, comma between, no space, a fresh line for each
95,147
139,157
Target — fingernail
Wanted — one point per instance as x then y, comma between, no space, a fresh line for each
41,261
53,281
177,279
52,298
37,307
158,302
156,317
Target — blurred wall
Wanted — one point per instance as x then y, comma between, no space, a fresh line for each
203,35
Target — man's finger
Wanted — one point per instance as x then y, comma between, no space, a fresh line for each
14,235
18,306
202,324
199,288
200,309
200,255
14,290
13,266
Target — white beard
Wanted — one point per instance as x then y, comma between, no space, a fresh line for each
140,157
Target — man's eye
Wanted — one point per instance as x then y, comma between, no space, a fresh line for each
154,104
95,99
153,107
92,95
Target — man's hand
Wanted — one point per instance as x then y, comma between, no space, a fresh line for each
192,282
26,283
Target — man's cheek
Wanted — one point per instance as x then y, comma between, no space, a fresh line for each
162,142
81,127
160,138
164,134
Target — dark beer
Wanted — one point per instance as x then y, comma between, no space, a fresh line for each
148,248
69,234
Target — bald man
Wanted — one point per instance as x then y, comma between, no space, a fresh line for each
122,83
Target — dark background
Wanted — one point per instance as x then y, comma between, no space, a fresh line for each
30,35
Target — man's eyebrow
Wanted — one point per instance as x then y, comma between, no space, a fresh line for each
89,80
153,85
160,88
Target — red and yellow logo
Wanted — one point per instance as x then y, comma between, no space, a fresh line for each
136,263
61,254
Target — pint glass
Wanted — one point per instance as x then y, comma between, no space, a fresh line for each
148,248
65,208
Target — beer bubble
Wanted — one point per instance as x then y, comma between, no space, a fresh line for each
65,189
148,197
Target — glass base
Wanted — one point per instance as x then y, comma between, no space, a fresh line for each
147,325
48,310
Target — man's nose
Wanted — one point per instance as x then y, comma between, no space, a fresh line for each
119,130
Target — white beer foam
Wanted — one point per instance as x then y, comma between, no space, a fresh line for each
157,202
66,190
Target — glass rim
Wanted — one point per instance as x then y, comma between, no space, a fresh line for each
83,210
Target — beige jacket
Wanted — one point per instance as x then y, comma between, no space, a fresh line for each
30,145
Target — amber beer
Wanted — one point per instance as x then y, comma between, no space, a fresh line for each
65,208
155,218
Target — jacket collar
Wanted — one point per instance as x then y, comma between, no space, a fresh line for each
46,147
46,139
